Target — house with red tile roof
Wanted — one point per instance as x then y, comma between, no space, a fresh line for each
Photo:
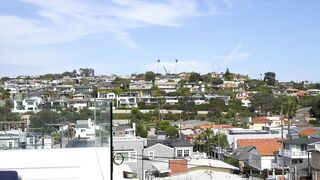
266,148
260,122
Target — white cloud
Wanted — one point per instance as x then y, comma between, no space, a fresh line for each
54,22
68,21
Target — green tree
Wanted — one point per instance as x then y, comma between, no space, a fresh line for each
206,78
67,73
117,91
207,140
216,81
315,111
188,107
7,115
270,78
254,84
142,131
228,76
172,132
85,113
150,76
289,106
4,94
155,91
163,125
136,115
4,79
221,140
122,83
183,91
263,103
194,77
43,118
233,162
86,72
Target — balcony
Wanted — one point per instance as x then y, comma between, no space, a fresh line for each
293,154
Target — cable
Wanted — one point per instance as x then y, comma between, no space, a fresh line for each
196,165
146,158
167,157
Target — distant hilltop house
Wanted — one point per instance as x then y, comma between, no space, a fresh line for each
31,104
261,122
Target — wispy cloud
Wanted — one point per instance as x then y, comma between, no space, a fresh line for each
23,39
68,21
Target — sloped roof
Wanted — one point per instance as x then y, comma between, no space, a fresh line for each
261,120
242,153
170,142
215,126
309,132
266,147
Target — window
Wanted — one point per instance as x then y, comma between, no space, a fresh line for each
151,154
186,153
31,140
179,153
83,130
303,147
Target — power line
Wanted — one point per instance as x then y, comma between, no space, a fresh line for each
195,165
147,158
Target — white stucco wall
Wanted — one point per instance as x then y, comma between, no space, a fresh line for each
266,162
72,163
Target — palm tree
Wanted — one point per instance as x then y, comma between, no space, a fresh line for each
207,140
289,107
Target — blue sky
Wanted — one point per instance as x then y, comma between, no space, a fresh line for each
128,36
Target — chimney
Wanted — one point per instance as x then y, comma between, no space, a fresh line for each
178,166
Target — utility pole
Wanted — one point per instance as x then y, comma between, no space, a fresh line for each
180,134
142,168
218,138
288,115
282,150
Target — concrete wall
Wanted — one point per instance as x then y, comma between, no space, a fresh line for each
72,163
266,162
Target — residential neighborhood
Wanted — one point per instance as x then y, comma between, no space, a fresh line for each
171,125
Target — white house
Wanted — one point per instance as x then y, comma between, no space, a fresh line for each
85,129
167,86
22,106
